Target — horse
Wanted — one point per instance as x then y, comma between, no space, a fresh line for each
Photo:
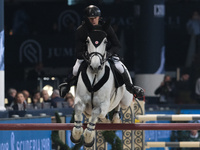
96,94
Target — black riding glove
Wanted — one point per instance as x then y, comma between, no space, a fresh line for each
138,91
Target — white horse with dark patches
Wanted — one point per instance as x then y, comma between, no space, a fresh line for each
96,94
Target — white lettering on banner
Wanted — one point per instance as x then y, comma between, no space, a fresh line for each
31,50
4,146
123,21
45,144
38,144
12,141
32,144
59,52
159,10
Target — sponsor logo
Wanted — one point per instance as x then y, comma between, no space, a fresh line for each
67,18
30,50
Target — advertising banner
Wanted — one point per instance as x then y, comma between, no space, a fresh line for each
52,51
26,140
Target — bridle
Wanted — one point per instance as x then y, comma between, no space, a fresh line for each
88,56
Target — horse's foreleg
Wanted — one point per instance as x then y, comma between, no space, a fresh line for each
77,130
116,116
89,132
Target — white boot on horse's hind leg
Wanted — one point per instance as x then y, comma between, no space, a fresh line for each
116,118
103,120
76,135
89,137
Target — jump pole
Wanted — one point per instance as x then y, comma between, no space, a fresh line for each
156,117
172,144
102,126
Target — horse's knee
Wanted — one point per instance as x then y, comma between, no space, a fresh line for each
95,114
79,107
96,111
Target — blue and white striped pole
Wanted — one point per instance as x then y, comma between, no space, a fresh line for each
2,81
157,117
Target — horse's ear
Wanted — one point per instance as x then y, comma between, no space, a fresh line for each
106,25
88,24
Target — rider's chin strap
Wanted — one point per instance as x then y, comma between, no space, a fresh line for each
97,86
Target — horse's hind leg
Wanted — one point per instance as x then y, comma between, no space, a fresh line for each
116,116
77,130
89,132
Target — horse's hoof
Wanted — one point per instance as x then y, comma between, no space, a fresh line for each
117,121
89,144
74,140
104,120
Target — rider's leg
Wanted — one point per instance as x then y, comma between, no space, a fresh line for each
65,87
124,72
73,74
137,91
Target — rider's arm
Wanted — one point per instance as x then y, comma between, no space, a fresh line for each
80,42
114,46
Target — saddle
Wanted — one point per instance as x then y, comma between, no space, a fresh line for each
117,76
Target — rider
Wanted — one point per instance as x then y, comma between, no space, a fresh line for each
92,19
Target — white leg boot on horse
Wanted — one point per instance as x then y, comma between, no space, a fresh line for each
77,130
89,133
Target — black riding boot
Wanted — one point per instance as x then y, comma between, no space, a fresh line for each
135,90
65,87
127,82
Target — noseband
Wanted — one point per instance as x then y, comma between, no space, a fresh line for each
88,56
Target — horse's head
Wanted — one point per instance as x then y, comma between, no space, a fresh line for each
96,44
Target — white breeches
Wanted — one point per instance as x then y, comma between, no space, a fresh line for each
76,66
121,67
118,64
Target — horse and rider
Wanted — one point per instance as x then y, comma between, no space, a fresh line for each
93,17
97,48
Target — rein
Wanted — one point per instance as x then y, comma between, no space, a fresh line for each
87,57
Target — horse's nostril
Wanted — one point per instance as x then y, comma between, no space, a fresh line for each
99,68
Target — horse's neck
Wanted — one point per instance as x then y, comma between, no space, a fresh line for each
97,76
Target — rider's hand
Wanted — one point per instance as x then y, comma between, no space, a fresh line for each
138,92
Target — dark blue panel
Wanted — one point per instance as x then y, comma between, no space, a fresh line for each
29,140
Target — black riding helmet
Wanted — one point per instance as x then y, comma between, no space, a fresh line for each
92,11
